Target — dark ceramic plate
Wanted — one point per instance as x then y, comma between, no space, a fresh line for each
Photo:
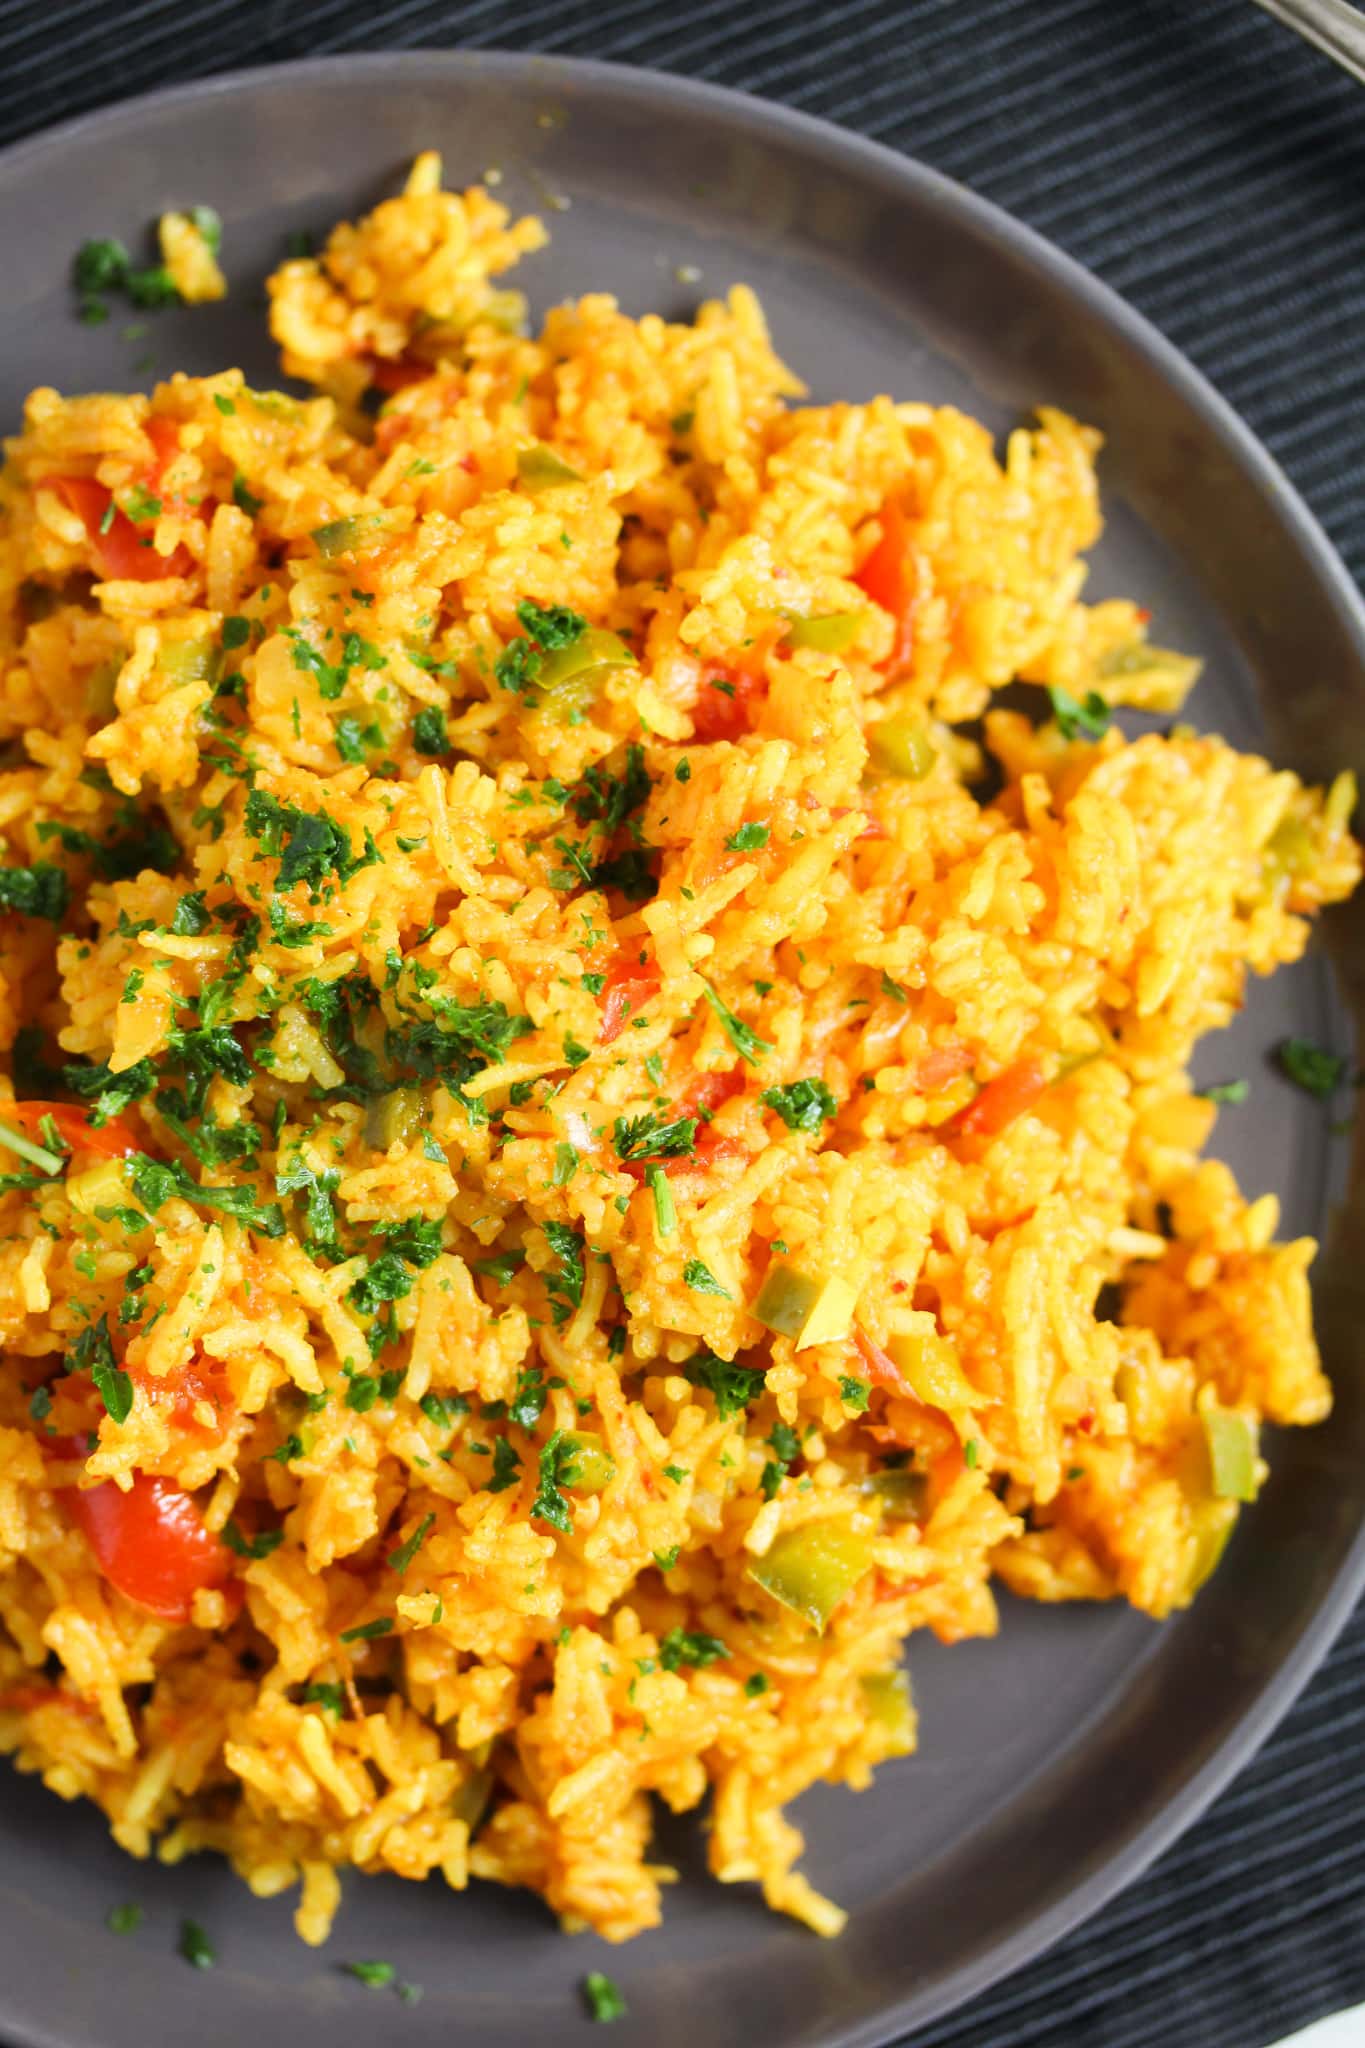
1059,1758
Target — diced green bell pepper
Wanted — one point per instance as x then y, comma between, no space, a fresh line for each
189,661
570,677
1214,1522
903,1494
539,467
99,690
813,1568
1231,1440
393,1118
901,746
806,1309
930,1364
828,633
341,536
886,1695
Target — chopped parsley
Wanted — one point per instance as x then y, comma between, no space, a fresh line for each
746,1043
564,1284
1311,1067
1077,719
327,1695
645,1137
123,1919
698,1276
748,838
556,1471
39,891
155,1183
506,1466
310,846
195,1946
376,1975
684,1647
603,1997
547,628
260,1545
500,1266
786,1446
802,1105
1226,1091
733,1386
400,1559
368,1631
665,1213
429,734
853,1393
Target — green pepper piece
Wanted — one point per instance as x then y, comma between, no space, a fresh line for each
886,1695
806,1309
589,1465
539,467
1214,1523
930,1364
827,633
189,661
1231,1440
570,677
811,1569
904,1495
99,690
341,536
901,746
393,1118
1288,851
470,1801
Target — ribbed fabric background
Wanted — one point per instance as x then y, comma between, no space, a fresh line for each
1211,167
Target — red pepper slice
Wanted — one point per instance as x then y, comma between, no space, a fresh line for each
396,373
113,1139
121,552
629,986
723,709
889,578
150,1542
1001,1100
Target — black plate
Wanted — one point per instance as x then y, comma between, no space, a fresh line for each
1058,1759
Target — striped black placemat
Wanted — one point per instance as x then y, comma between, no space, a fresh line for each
1213,169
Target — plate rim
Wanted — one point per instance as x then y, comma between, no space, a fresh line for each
1136,1843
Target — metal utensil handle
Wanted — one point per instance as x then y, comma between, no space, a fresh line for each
1333,25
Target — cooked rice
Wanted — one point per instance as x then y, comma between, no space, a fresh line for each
416,1041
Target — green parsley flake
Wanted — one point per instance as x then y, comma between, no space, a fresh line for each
1311,1067
802,1105
368,1631
748,838
665,1213
682,1647
746,1043
699,1277
376,1975
1076,719
195,1946
1226,1091
603,1997
645,1137
400,1559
